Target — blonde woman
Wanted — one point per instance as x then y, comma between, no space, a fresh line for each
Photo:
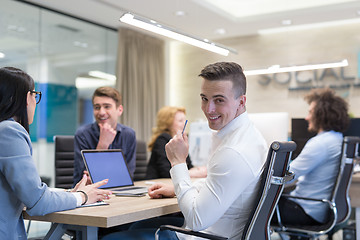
170,120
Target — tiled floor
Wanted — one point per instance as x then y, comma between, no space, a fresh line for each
39,229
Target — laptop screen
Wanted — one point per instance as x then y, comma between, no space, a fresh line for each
107,164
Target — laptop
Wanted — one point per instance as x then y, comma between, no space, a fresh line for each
110,164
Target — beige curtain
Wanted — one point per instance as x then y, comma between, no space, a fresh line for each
140,80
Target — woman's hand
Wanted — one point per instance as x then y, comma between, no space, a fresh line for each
93,193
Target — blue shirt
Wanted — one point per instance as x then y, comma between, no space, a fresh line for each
20,184
87,137
316,169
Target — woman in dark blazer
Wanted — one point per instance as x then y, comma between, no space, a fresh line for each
170,120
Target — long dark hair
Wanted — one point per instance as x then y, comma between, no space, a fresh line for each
14,86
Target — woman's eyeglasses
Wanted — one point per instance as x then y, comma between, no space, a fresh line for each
37,96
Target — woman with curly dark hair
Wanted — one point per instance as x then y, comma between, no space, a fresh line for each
316,167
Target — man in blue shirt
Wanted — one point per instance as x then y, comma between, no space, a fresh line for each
106,132
316,167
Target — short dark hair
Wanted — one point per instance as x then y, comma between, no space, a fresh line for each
108,92
330,112
229,71
14,86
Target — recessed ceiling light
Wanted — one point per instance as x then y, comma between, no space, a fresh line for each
248,8
220,31
2,55
16,28
80,44
286,22
180,13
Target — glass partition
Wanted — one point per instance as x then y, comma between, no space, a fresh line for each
55,49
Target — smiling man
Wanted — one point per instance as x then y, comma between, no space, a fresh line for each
235,165
105,132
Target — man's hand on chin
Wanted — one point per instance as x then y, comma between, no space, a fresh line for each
107,136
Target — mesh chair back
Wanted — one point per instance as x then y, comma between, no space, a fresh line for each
342,200
271,187
339,202
64,161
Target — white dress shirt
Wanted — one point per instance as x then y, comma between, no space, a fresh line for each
221,203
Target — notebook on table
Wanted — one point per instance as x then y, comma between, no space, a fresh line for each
110,164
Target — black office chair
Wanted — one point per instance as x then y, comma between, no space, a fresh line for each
339,203
64,161
141,161
64,164
274,175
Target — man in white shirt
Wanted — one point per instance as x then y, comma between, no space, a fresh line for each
220,203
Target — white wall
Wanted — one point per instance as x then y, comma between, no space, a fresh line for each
300,47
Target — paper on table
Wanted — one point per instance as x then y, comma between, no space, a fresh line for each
86,205
124,194
95,204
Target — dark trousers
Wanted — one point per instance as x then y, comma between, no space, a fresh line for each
292,213
145,229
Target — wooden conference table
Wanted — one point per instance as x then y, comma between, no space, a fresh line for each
121,210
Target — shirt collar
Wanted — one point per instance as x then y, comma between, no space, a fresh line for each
118,127
236,123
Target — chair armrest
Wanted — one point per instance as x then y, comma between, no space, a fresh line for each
282,180
289,176
191,232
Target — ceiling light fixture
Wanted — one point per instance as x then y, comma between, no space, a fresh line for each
102,75
95,79
153,26
278,69
2,55
286,29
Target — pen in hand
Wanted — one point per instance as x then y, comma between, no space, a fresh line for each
184,127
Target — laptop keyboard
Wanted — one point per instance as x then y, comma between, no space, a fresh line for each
126,189
131,190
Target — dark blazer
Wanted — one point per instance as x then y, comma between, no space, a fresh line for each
159,166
